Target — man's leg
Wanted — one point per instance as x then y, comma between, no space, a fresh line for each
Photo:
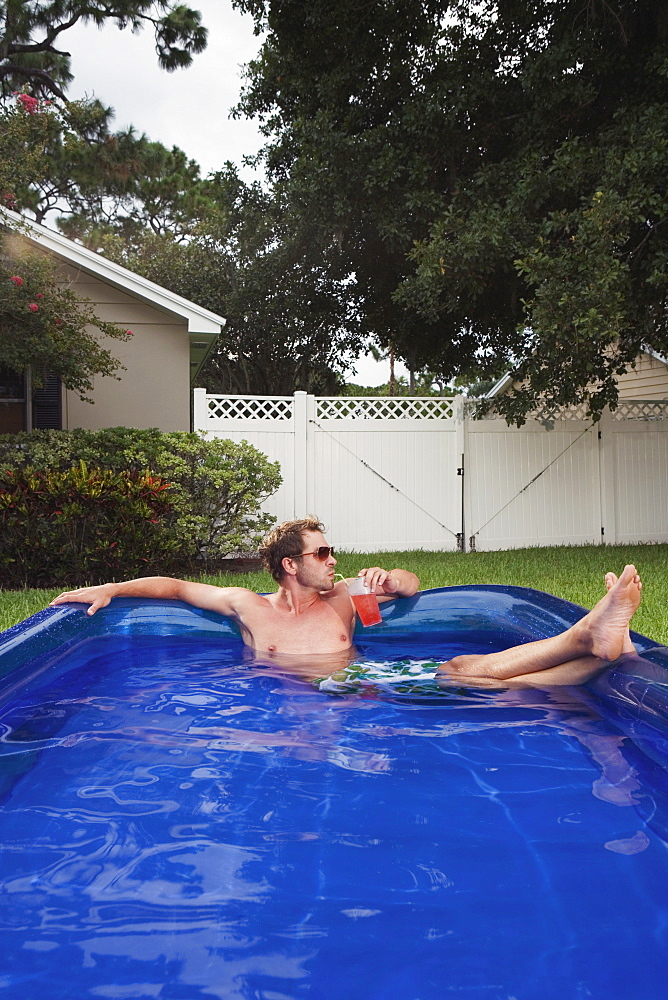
598,638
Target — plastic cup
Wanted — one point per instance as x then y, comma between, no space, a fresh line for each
366,602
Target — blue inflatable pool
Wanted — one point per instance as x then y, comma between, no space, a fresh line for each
179,821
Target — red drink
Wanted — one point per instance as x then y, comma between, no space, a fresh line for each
366,606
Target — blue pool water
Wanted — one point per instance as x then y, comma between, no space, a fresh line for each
178,822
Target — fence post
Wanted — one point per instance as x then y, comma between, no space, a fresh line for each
200,410
608,486
459,414
310,454
300,412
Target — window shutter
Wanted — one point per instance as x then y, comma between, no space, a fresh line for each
47,404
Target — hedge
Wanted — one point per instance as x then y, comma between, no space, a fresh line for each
204,495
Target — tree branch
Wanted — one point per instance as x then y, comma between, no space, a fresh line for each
33,73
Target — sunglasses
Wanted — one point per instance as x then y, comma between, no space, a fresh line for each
322,553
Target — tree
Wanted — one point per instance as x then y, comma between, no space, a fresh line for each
77,165
494,174
123,183
333,85
60,154
290,319
44,326
65,159
230,247
572,215
29,52
24,137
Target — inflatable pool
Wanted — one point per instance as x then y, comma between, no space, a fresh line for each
179,821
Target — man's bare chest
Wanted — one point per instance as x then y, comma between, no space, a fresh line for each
317,629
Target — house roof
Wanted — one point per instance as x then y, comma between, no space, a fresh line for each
499,387
203,325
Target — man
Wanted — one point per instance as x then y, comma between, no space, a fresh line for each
311,614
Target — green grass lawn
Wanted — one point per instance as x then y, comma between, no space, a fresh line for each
574,573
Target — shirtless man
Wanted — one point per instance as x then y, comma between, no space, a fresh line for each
310,613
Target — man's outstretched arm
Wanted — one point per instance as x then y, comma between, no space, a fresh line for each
224,600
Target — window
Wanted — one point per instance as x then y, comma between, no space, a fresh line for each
46,403
12,401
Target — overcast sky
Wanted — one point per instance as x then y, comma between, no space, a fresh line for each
187,108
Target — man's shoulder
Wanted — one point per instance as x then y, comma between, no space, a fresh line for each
246,596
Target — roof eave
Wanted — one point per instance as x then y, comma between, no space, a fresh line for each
201,322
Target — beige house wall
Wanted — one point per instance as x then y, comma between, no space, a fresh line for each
648,380
154,390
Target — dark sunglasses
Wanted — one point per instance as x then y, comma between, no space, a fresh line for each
322,553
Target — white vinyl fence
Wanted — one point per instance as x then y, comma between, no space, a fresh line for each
392,473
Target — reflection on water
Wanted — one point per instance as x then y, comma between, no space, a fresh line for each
179,821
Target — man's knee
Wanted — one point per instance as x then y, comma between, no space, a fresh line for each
459,664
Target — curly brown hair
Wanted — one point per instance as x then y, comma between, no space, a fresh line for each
285,541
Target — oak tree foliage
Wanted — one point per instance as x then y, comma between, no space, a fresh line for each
492,176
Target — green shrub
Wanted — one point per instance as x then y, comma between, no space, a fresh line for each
80,525
215,487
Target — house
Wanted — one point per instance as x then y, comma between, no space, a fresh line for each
648,379
171,340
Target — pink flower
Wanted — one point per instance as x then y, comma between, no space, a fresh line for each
33,307
29,104
17,281
39,296
129,333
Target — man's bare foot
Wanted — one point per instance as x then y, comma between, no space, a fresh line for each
610,581
605,628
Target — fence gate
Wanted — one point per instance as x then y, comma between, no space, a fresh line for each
419,473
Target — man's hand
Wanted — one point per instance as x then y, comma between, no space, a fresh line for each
97,597
390,583
379,580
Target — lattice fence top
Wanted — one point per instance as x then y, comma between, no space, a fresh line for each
547,413
628,409
641,409
383,408
250,407
409,408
